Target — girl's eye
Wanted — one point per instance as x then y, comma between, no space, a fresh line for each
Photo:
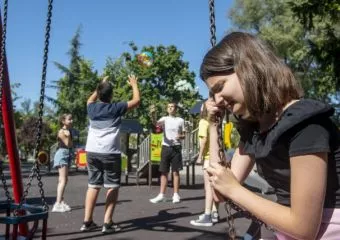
217,87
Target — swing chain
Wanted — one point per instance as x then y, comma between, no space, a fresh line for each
222,161
247,214
35,168
4,183
2,74
229,205
212,22
219,119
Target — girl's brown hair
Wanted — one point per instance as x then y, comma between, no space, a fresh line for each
267,83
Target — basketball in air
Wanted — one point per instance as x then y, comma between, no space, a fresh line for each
145,59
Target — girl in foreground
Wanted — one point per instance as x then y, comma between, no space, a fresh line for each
292,140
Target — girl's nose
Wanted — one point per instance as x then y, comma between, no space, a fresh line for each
218,99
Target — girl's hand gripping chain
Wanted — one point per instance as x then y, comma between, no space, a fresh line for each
217,158
222,180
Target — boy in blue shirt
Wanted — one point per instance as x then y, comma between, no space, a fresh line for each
103,150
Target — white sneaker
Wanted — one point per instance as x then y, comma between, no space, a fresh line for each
160,198
58,207
66,206
215,217
204,221
176,198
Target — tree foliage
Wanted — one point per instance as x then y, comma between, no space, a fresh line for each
322,20
14,94
168,79
74,87
26,120
26,135
311,11
275,22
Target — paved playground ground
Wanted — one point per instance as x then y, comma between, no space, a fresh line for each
139,219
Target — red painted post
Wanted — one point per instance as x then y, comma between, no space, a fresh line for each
10,138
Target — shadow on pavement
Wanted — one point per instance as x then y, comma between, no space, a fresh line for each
164,221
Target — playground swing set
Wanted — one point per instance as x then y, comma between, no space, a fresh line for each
18,214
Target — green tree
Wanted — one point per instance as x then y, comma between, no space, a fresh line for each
22,113
75,86
14,94
26,120
167,79
26,135
26,107
322,21
275,22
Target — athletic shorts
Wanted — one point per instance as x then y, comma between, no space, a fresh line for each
171,156
103,169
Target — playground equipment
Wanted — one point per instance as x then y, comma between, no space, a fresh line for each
19,214
81,158
149,151
43,158
128,128
148,159
228,127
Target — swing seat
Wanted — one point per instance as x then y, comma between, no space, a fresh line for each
31,214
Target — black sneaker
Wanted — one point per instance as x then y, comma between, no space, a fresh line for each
110,228
88,226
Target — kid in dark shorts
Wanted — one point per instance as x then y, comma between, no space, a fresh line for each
103,150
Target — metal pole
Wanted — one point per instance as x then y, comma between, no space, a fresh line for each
10,138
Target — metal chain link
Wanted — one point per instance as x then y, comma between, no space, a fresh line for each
223,161
212,22
247,214
229,205
219,119
4,183
35,169
2,75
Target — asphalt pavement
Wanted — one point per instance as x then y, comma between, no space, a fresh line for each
139,219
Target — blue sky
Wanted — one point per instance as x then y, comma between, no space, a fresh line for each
107,26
